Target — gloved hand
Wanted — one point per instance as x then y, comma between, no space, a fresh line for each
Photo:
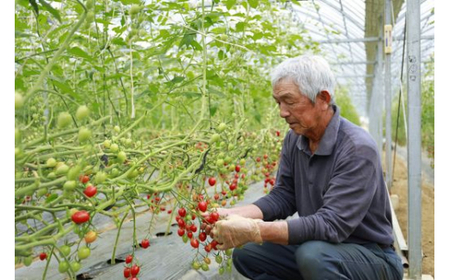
235,231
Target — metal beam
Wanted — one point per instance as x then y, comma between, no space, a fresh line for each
387,90
414,139
369,39
352,62
354,76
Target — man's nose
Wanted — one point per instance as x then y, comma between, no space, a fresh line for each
284,112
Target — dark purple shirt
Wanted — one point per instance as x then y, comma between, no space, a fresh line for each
339,192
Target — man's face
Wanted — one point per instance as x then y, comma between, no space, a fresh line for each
303,117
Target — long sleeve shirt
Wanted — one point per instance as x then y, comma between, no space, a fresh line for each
338,192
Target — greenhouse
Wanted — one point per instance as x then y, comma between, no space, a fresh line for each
224,139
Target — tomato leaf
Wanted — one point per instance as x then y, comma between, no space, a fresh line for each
51,197
51,10
253,3
76,51
230,4
34,5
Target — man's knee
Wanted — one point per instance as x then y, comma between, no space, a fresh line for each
312,256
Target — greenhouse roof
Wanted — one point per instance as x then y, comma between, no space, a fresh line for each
349,31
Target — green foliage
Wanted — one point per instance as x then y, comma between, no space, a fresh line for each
344,102
427,115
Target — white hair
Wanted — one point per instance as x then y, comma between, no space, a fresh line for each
311,73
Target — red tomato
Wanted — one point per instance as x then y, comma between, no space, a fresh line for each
129,259
194,243
193,228
233,187
180,232
202,236
135,270
182,212
145,243
189,234
80,217
84,179
43,256
90,191
212,181
215,216
208,248
126,272
216,196
181,223
237,168
202,206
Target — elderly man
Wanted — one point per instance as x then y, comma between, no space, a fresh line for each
330,174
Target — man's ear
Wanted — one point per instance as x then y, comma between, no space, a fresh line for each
323,98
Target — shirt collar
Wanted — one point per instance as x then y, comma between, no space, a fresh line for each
328,140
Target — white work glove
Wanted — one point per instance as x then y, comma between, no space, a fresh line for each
235,231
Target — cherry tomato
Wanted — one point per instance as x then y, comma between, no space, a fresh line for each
145,243
180,232
83,252
212,181
202,206
75,266
215,216
90,236
237,168
194,243
126,272
182,212
135,270
90,191
129,259
84,179
63,267
43,256
80,217
202,236
64,250
193,228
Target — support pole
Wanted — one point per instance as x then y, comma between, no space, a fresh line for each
414,139
387,88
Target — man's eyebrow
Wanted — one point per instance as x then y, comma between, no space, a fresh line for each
285,95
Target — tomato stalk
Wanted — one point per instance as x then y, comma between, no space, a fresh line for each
55,58
119,227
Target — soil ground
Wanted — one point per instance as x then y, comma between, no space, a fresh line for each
400,187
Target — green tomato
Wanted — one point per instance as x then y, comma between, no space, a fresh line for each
214,138
117,129
220,163
185,238
100,177
114,148
83,252
242,161
107,144
62,169
133,174
64,250
75,266
121,156
82,112
28,260
51,162
219,259
63,267
228,252
64,119
221,127
90,17
42,191
89,4
70,185
221,270
19,100
84,134
196,265
51,175
205,267
135,8
74,172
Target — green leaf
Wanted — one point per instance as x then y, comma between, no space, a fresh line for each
176,80
52,10
230,4
196,45
51,197
76,51
253,3
240,26
127,2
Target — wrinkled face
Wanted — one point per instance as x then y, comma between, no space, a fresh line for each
303,117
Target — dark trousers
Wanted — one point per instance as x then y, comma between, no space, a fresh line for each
317,260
